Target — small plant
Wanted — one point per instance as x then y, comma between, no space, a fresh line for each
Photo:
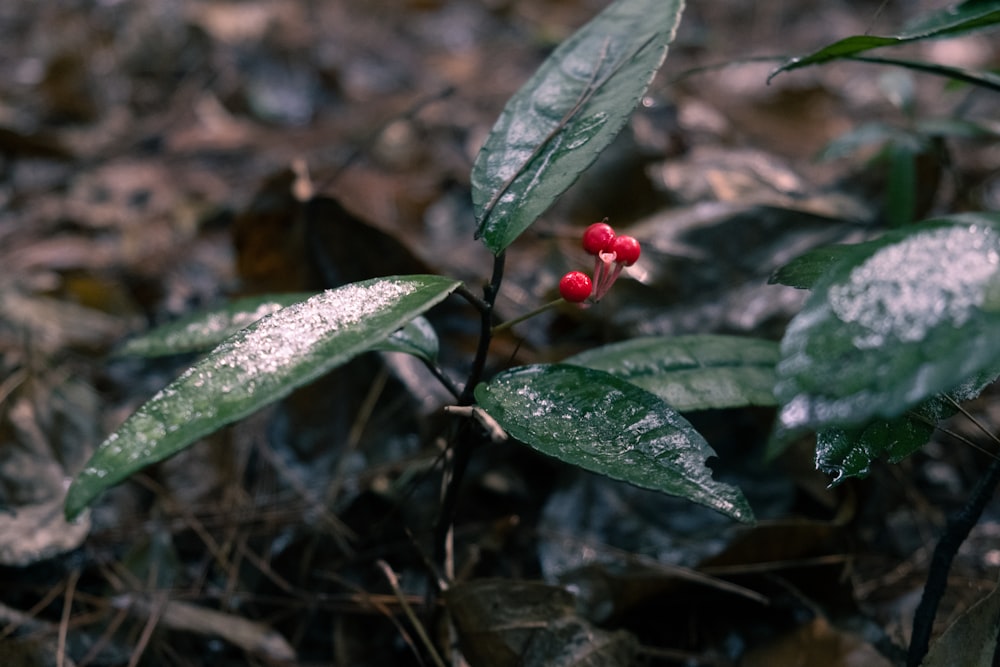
583,411
896,332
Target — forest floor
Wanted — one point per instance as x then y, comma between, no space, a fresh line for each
149,154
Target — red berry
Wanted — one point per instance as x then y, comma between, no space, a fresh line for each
575,286
626,250
598,237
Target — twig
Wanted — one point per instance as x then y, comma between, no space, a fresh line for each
442,377
476,301
517,320
956,531
408,610
490,425
74,576
156,609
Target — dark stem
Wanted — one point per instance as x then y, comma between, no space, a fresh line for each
956,531
466,436
443,378
485,332
476,301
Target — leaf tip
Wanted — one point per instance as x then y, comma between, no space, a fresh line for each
76,501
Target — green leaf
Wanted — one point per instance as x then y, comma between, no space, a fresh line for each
566,114
892,323
845,453
901,186
255,367
987,80
956,19
417,337
692,372
607,425
803,271
951,22
203,331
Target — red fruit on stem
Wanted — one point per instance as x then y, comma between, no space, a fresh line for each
626,250
575,286
598,237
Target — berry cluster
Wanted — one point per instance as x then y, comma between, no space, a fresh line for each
611,254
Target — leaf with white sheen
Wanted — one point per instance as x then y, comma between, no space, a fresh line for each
200,332
701,372
257,366
604,424
203,331
566,114
894,322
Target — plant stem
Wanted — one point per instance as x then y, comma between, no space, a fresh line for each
465,436
443,378
486,330
956,531
466,294
517,320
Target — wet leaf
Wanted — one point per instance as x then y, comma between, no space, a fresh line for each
604,424
566,114
692,372
504,623
892,323
203,331
952,21
845,453
257,366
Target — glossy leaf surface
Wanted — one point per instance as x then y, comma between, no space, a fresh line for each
892,323
607,425
844,453
255,367
566,114
692,372
203,331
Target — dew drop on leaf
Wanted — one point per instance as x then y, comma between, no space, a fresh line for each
912,286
